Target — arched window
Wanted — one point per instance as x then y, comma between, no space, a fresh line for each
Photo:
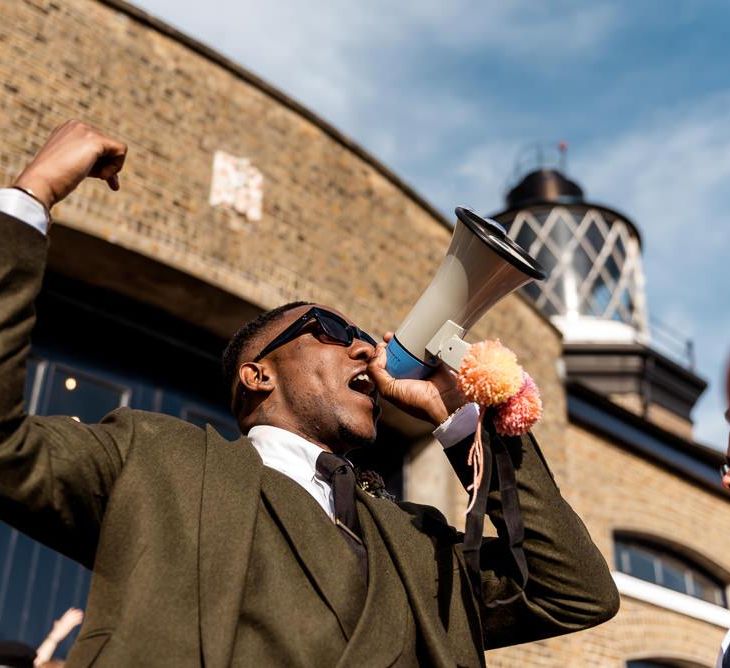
651,561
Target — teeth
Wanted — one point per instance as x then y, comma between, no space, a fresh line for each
363,383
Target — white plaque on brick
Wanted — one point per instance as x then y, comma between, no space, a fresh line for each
237,185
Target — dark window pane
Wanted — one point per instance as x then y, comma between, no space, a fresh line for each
560,233
601,294
620,249
546,259
581,262
36,586
594,237
541,215
672,576
526,236
613,268
642,565
80,395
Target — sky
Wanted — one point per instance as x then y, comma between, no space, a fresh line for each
448,94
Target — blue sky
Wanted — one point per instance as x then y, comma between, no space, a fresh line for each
448,93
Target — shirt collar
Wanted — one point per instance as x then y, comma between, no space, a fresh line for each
284,451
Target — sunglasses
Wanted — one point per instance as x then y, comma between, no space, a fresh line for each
329,328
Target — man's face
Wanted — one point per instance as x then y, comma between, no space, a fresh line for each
320,391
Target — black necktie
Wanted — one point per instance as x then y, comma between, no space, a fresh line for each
337,471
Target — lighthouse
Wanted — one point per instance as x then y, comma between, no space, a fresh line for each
595,295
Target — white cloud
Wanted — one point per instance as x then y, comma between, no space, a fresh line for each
335,56
541,32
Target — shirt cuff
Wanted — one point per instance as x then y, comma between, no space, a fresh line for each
460,424
22,206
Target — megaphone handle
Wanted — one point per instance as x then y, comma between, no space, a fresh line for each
453,351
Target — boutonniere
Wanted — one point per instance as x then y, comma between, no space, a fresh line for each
373,484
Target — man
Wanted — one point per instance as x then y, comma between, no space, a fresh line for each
207,552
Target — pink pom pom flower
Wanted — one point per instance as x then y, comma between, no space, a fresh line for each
517,415
489,373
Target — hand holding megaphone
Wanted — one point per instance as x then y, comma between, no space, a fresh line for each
482,265
432,399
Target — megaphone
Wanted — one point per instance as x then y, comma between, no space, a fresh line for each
482,265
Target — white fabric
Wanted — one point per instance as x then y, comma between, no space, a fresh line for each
22,206
460,424
296,458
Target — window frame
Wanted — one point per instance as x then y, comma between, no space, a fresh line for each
666,557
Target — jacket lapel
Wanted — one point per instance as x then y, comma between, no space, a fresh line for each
408,548
336,576
231,495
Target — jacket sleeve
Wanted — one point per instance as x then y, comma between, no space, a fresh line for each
569,586
55,473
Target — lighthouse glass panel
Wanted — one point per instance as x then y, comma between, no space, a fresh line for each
592,259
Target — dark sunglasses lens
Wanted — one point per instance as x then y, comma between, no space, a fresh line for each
334,330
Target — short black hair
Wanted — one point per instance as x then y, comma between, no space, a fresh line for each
243,337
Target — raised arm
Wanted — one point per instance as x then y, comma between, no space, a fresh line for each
55,474
568,585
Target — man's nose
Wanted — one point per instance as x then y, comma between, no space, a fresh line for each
361,350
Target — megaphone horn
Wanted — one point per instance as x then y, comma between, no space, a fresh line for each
482,265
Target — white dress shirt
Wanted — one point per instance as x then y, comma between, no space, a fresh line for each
296,458
23,207
279,449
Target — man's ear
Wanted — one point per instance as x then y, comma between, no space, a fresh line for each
256,377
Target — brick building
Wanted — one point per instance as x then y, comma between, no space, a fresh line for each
235,199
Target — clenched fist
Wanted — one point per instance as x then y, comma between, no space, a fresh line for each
74,151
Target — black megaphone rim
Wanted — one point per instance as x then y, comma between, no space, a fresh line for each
492,233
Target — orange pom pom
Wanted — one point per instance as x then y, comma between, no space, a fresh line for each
519,414
489,373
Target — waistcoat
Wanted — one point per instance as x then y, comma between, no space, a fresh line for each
304,601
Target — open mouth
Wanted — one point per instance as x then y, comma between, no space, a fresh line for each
362,384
